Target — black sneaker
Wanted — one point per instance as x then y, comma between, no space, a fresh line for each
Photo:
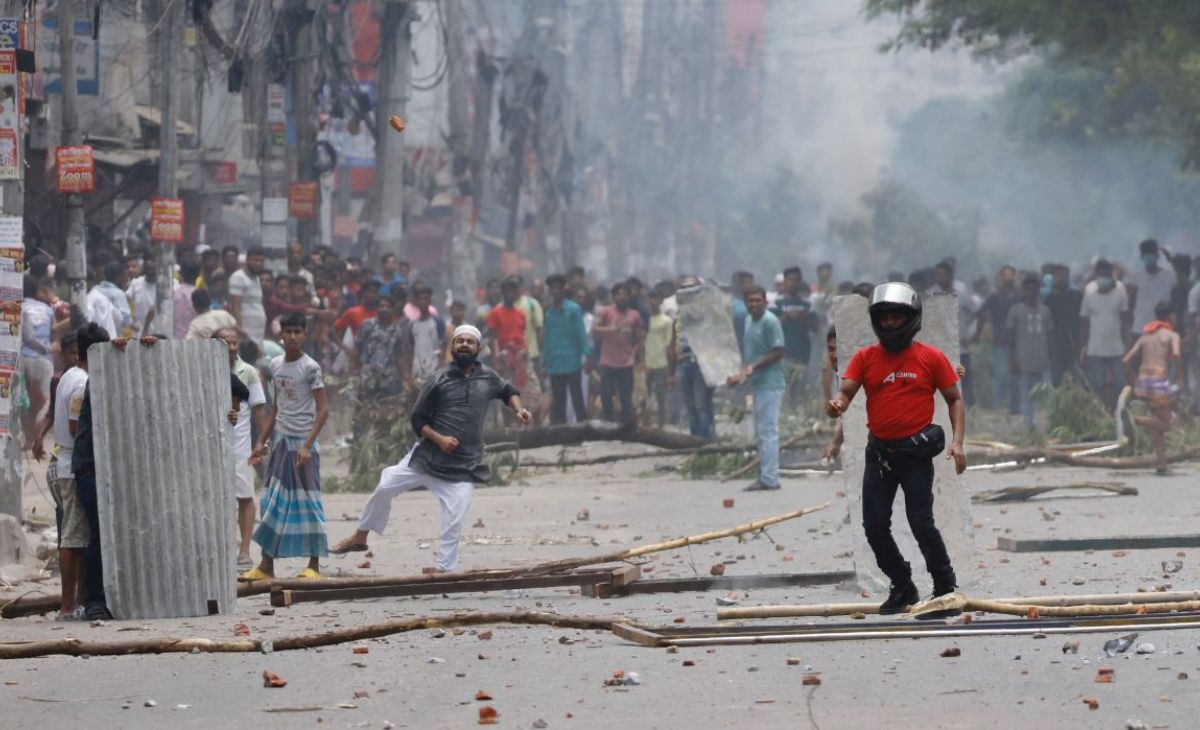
98,612
899,599
760,487
943,614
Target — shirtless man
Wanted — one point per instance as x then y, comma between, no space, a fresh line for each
1159,350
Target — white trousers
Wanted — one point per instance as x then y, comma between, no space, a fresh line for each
455,498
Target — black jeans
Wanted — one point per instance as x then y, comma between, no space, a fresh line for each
93,561
617,382
913,474
560,385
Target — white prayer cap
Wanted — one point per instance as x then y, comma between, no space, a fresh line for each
469,331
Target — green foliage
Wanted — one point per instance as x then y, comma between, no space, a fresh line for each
710,466
381,435
1073,414
1144,55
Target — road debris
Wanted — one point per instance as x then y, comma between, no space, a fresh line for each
271,679
482,696
811,680
949,652
1119,645
1092,703
1145,648
488,715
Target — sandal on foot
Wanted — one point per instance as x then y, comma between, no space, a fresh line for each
254,574
347,546
308,573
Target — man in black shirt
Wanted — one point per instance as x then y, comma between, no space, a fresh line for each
83,466
795,314
448,459
1064,304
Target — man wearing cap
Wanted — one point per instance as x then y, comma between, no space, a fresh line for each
901,377
447,459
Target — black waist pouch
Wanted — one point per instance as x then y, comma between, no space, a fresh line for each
926,443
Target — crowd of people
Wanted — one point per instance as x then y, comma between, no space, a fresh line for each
570,347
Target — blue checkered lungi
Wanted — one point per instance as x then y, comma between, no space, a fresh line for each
293,520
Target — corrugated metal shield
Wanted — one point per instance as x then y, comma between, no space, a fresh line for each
164,477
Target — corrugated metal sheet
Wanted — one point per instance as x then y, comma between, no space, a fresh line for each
164,477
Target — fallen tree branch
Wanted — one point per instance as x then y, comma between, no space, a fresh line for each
1022,494
77,647
578,433
965,603
611,458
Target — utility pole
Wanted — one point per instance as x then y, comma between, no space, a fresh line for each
168,39
303,91
394,69
75,228
463,279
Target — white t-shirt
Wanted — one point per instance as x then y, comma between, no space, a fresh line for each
1152,290
427,348
294,386
204,325
1103,311
141,294
242,437
254,317
1193,303
68,399
101,311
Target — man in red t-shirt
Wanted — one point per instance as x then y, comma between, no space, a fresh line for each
901,377
510,353
356,315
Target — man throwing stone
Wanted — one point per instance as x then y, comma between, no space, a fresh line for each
448,459
900,377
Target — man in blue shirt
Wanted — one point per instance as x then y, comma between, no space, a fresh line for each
565,345
763,352
392,274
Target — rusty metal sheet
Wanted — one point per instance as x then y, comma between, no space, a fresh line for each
951,505
164,477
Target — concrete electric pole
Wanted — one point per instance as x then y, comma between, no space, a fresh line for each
394,69
168,43
75,227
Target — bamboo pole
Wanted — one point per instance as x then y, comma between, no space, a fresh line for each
965,603
942,631
847,609
77,647
50,603
680,542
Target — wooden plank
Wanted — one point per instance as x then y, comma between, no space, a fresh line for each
637,635
1144,542
459,586
727,583
626,574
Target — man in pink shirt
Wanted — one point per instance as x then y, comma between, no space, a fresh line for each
619,330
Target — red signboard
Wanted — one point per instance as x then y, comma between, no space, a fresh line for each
166,220
76,168
225,173
302,200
